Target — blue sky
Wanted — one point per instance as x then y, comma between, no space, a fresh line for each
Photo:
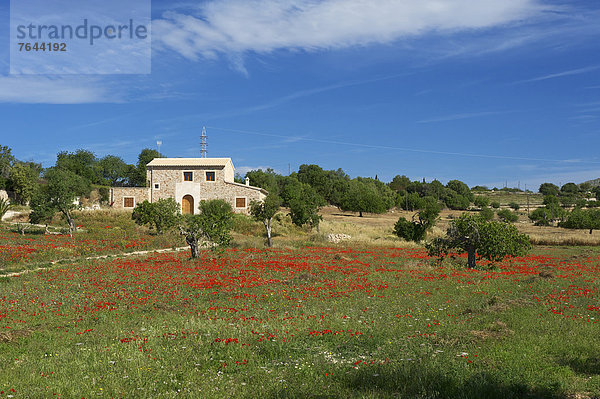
487,92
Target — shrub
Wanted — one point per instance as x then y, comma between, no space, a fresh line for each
162,214
487,213
104,195
457,202
507,216
416,230
514,206
481,202
495,204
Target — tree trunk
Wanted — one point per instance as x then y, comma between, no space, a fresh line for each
471,259
70,221
359,213
268,229
46,230
193,243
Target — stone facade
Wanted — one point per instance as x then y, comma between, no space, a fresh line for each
189,181
128,197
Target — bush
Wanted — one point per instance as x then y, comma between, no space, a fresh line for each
162,214
104,195
487,213
495,205
481,201
507,216
246,225
410,231
457,202
416,230
515,206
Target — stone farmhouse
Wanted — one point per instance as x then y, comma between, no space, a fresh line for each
189,181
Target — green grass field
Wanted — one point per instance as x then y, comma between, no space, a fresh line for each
312,322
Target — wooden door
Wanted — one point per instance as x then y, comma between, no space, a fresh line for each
187,205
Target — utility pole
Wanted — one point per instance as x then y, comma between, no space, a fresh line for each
527,192
204,143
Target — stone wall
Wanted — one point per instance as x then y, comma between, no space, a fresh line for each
118,195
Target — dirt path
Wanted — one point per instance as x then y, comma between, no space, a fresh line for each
121,255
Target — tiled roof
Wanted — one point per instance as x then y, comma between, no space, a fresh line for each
190,162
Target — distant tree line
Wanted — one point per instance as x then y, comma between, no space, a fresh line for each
303,192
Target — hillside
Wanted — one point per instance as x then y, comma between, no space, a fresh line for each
595,182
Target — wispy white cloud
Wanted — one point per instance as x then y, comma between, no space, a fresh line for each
55,90
406,149
455,117
264,26
569,72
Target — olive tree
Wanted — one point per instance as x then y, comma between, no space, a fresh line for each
367,196
305,205
586,219
162,214
42,211
213,225
265,211
477,237
422,221
549,189
60,194
23,181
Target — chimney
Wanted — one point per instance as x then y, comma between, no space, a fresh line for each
247,181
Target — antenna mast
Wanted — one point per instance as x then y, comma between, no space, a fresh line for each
204,142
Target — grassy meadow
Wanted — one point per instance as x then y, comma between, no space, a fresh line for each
371,317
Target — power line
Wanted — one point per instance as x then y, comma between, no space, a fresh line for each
383,147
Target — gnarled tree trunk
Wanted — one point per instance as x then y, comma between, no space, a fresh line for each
267,223
70,221
193,243
471,257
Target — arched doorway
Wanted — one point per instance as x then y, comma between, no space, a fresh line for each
187,205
